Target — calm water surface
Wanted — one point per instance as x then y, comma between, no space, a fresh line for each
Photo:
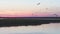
40,29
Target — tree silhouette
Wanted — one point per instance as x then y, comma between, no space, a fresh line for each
55,15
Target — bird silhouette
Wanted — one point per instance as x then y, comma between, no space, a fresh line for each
38,3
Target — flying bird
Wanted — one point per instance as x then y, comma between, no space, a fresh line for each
38,3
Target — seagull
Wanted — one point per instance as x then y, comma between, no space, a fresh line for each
38,3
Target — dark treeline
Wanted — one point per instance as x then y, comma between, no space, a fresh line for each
24,22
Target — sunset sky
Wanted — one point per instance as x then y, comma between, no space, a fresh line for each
25,8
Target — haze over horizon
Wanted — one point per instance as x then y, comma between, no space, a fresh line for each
29,8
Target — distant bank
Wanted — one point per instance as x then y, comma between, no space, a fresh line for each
26,21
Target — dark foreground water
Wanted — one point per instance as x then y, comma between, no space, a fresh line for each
52,28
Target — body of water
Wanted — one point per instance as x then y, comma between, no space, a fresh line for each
52,28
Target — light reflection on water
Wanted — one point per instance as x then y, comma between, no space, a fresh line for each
40,29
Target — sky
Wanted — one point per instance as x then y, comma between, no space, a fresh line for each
52,28
29,8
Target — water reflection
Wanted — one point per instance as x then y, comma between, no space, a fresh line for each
40,29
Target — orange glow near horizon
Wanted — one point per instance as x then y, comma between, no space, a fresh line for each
29,8
42,12
27,13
